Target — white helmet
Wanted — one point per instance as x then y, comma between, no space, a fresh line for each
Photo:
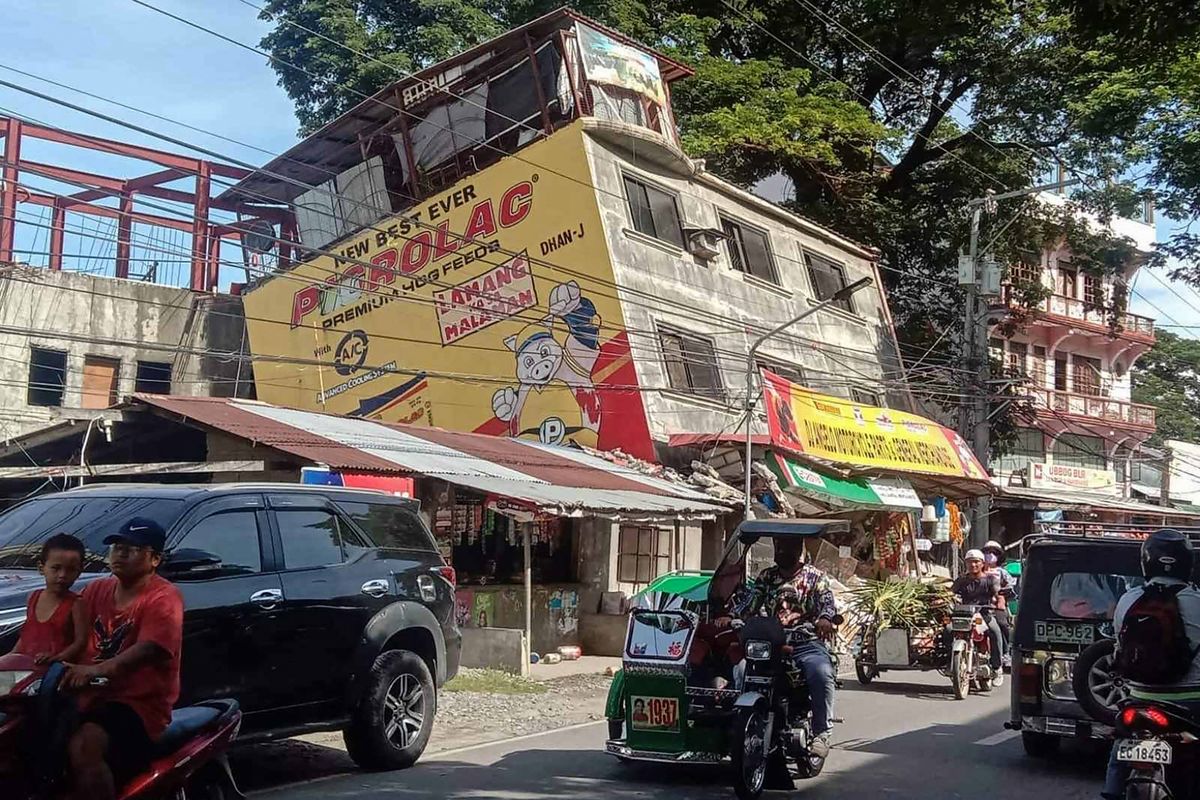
974,555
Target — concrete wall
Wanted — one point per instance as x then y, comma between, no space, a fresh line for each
495,648
664,285
120,319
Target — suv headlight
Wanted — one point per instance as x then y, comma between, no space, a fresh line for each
758,650
11,678
1058,678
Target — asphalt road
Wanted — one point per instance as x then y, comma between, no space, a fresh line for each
904,737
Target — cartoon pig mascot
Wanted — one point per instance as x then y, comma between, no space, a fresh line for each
555,400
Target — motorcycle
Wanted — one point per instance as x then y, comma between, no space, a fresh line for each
970,652
189,759
773,723
1158,742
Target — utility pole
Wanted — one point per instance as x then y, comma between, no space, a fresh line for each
973,417
974,420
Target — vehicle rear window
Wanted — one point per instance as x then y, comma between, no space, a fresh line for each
91,518
388,524
1086,595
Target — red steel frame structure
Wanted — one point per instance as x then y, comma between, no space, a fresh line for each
206,235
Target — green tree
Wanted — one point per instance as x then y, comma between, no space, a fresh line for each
1168,378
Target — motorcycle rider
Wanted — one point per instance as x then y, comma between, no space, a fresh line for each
993,560
979,587
810,600
1167,559
135,637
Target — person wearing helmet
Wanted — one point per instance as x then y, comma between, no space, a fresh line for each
1167,563
979,587
993,562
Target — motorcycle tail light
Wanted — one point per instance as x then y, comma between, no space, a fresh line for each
1128,716
1157,717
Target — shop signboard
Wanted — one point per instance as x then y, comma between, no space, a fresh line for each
1060,476
607,61
860,436
890,493
486,308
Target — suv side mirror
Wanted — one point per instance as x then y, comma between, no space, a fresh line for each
189,562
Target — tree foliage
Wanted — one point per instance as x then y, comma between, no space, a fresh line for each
1168,377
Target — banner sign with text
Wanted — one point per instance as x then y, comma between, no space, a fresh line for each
860,436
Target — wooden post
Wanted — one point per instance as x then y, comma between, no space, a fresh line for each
525,528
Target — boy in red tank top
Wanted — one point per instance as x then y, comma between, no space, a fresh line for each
55,628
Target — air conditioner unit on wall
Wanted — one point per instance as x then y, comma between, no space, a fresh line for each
704,242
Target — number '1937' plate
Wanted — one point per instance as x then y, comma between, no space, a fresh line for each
1063,632
1144,751
654,713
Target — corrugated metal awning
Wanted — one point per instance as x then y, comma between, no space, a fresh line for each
549,479
1082,501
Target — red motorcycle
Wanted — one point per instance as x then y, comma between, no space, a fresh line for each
970,652
189,760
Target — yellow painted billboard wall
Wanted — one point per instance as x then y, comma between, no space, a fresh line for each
489,307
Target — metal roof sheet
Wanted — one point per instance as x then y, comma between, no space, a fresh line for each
1056,498
555,480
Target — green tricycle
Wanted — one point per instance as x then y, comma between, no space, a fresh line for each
675,699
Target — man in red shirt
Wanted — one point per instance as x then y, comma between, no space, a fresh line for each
135,635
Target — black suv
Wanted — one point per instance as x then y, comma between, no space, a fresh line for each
317,608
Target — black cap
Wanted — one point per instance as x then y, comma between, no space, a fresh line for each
140,532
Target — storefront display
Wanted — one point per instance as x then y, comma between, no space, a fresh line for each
486,547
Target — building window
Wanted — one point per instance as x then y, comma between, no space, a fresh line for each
653,211
749,250
864,397
828,278
100,382
1077,450
47,376
1028,445
691,363
791,372
1093,291
1027,271
1038,371
1015,361
996,348
153,377
1068,281
1085,374
643,553
1060,374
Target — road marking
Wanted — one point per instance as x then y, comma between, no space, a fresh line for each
497,742
998,738
427,758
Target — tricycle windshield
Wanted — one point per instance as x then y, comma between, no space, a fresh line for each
659,635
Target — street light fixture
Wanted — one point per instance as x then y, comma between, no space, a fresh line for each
841,294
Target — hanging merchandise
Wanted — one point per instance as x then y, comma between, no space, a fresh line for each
941,528
956,523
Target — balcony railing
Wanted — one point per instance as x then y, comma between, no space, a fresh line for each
1093,407
1076,308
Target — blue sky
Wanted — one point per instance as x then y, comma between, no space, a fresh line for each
122,51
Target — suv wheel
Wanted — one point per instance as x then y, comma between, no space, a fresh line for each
391,726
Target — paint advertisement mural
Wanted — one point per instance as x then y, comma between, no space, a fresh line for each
490,307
